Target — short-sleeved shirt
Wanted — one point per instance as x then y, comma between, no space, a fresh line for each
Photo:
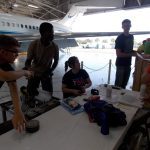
42,56
5,67
125,44
141,48
74,81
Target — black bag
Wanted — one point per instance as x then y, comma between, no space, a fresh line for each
105,115
116,116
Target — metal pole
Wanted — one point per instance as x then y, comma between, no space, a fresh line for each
109,72
81,64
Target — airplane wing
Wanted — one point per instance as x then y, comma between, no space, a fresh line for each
65,40
72,35
94,34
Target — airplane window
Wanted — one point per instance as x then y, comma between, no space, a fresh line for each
26,26
21,25
8,24
37,28
13,24
3,23
33,27
29,27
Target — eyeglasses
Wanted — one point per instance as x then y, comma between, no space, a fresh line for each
12,50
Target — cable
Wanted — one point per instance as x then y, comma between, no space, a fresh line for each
95,69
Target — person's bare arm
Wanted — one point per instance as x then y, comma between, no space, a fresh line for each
122,54
65,89
18,119
88,83
13,75
56,59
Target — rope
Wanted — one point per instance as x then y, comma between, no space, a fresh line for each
95,69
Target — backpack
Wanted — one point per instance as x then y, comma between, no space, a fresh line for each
105,115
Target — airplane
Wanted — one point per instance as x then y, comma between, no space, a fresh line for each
26,29
21,26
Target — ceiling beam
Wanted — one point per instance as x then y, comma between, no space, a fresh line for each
28,8
48,11
50,7
139,2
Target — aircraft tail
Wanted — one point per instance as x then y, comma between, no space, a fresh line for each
72,16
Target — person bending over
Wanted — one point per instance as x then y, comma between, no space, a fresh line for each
9,48
42,58
76,80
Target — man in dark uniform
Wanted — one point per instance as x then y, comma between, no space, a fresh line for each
124,52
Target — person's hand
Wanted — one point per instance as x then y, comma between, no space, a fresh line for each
28,73
19,121
94,97
83,89
76,92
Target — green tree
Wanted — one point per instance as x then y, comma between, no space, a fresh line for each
112,40
105,41
88,40
97,40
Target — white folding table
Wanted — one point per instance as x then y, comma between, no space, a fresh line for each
59,130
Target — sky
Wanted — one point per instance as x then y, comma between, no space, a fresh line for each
111,21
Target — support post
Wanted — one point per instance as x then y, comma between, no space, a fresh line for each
109,72
81,64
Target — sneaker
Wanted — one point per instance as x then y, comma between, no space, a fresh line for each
43,96
32,104
24,107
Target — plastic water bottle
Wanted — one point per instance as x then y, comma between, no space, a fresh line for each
108,91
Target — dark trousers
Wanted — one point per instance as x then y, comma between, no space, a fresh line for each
122,76
1,83
33,85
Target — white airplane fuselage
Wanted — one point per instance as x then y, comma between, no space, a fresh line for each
15,24
27,28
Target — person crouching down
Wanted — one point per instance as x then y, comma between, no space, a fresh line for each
76,80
